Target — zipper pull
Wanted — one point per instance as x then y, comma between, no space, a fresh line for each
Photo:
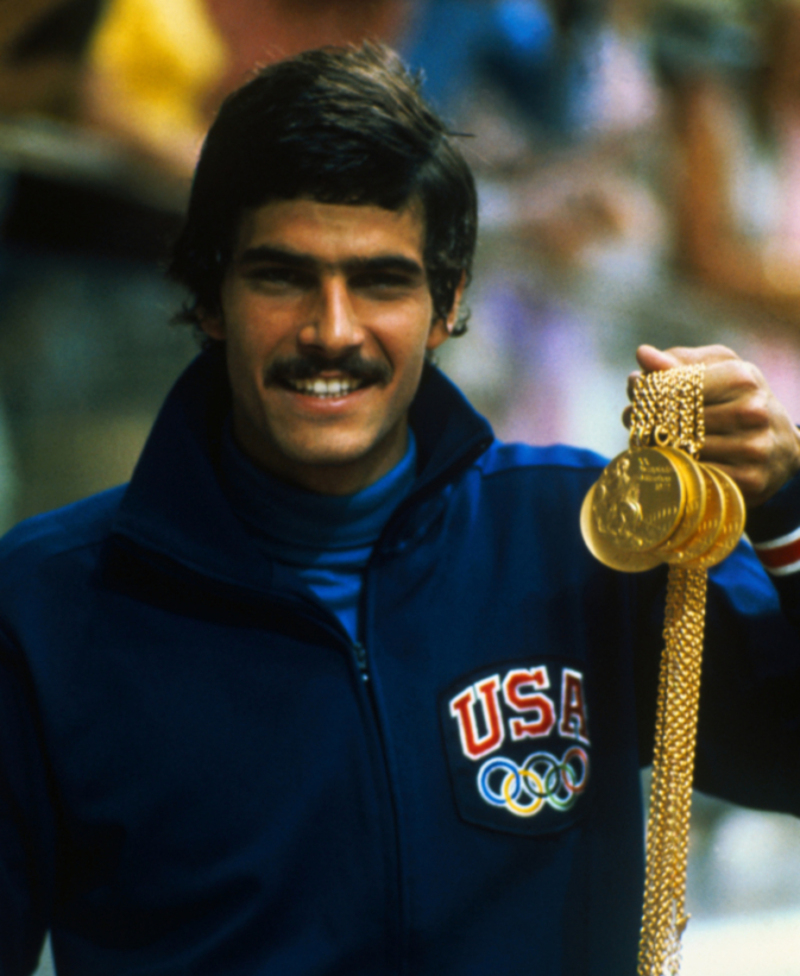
360,653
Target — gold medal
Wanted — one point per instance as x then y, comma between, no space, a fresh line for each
602,545
695,488
638,501
710,524
732,524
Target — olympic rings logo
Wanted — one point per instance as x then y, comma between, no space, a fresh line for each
540,780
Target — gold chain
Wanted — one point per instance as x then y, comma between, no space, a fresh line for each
664,917
668,411
657,503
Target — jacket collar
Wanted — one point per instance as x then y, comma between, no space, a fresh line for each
175,507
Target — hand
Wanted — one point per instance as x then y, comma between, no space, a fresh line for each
748,432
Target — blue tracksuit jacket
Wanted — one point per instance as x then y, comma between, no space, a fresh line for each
200,774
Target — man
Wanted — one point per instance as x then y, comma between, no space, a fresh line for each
255,704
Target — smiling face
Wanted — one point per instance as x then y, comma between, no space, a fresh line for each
327,315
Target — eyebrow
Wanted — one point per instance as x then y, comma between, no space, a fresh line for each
265,253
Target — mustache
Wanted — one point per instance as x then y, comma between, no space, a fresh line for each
311,364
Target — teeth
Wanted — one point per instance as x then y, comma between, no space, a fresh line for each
326,388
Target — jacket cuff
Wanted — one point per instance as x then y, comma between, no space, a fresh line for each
774,530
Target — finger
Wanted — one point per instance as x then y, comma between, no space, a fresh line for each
732,380
745,466
737,416
650,358
734,451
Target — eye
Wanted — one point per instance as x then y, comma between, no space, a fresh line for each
383,281
278,276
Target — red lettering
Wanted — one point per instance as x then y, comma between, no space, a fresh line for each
521,700
462,708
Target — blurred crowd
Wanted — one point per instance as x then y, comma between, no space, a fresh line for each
639,168
639,174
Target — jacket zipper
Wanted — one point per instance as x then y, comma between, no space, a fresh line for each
360,654
398,962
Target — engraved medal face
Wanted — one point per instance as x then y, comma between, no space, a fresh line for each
638,501
603,547
732,522
709,527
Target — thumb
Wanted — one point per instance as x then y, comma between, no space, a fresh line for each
652,359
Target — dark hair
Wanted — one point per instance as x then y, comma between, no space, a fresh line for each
337,125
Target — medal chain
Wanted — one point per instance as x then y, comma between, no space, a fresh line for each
668,412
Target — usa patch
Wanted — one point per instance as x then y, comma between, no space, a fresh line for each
518,746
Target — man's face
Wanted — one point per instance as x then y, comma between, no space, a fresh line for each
327,315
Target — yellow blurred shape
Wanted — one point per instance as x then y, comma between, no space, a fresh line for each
158,60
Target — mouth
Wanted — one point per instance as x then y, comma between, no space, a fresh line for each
326,387
322,378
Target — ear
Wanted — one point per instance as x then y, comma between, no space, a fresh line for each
212,324
442,329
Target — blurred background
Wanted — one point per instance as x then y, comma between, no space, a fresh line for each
639,173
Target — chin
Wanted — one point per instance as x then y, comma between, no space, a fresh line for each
329,447
327,458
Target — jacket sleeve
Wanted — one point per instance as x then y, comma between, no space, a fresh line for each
26,823
748,745
774,530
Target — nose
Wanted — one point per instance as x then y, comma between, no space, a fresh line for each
333,327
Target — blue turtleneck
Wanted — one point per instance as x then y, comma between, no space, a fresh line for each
327,539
